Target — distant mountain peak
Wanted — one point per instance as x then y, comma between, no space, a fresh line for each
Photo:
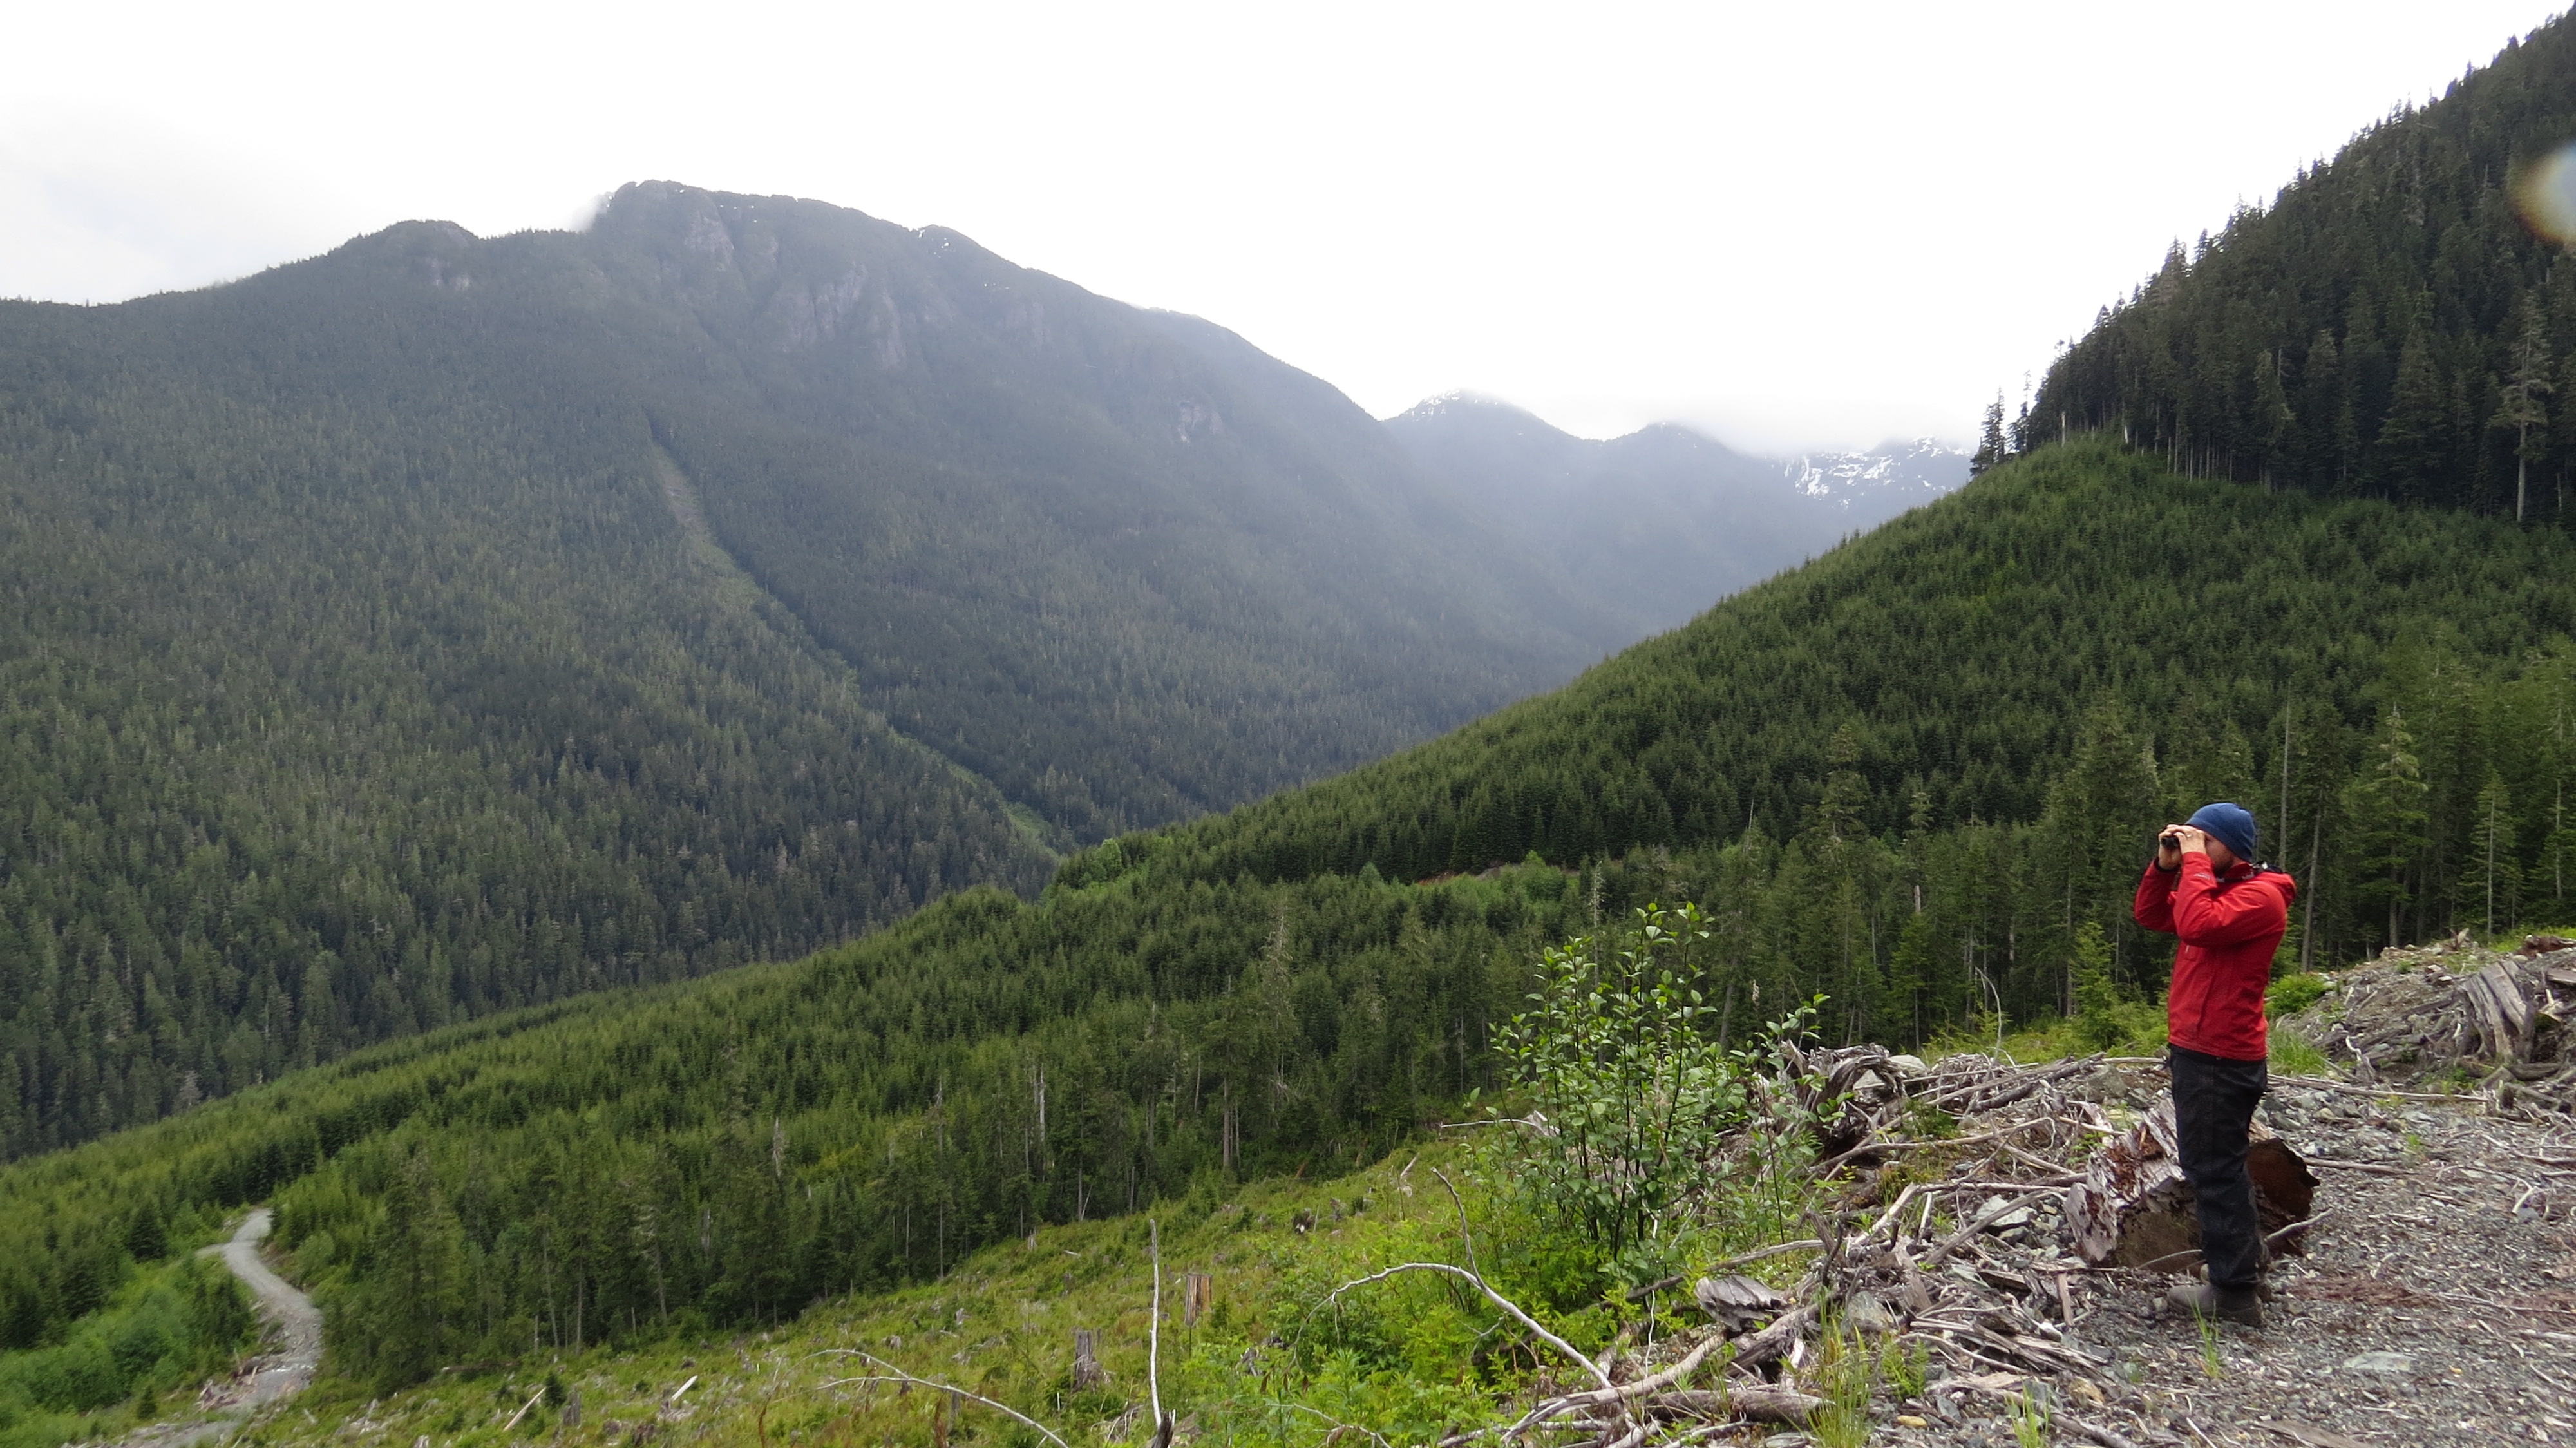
1663,522
1919,469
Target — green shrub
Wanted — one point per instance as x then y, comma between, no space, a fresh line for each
2292,994
1646,1130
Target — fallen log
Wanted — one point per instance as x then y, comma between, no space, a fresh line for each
1761,1402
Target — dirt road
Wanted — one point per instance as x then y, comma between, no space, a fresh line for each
291,1315
295,1350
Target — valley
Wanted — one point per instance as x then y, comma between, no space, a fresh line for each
747,824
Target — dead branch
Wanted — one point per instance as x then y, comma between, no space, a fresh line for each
530,1403
1995,1209
893,1374
1340,1427
1466,1238
2320,1083
1803,1244
1774,1340
1478,1282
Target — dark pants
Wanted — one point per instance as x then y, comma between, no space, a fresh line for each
2213,1104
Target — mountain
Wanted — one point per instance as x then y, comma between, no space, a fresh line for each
1872,487
1664,522
1917,775
448,624
2364,334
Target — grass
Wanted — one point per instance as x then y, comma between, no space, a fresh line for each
2293,1054
2033,1422
2137,1029
1842,1375
1410,1359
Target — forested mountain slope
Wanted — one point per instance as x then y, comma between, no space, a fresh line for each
1918,774
447,624
333,719
1120,562
2387,328
1663,522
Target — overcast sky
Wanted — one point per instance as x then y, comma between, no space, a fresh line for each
1792,225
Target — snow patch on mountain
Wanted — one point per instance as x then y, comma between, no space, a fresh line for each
1890,477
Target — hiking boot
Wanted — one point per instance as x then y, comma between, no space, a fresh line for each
2239,1305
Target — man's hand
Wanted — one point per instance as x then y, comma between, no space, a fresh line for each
2177,840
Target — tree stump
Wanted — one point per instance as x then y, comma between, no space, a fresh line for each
2134,1208
1087,1371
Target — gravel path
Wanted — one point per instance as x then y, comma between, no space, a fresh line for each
291,1315
2437,1306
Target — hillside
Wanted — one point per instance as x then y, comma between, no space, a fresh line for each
448,624
1915,775
1663,522
2365,334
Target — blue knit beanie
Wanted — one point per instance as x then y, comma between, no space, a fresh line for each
2231,825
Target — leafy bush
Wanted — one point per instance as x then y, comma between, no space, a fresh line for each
1638,1107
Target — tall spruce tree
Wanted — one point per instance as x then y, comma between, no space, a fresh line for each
2521,407
2413,438
1991,446
2494,880
2386,806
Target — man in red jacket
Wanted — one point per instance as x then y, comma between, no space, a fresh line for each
2230,914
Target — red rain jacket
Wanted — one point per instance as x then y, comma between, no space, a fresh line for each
2229,929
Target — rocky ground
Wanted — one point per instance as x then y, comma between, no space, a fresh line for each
2436,1304
2435,1301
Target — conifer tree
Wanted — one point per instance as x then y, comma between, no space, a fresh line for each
2522,409
1991,447
2097,820
2386,806
2558,858
2412,439
2494,872
404,1315
2276,426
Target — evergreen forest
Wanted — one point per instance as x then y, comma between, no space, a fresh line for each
2389,327
1918,776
